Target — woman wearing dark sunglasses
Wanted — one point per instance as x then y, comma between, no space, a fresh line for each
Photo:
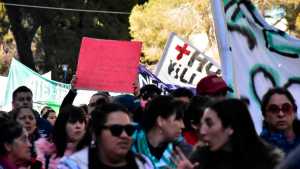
280,126
111,130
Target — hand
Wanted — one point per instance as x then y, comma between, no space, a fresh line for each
181,161
73,81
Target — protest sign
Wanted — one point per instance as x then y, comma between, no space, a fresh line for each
45,91
255,56
108,65
184,65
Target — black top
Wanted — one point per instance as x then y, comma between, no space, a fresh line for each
131,163
68,100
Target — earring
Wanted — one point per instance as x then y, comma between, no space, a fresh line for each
93,143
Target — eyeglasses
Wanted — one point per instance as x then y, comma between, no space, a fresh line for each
286,108
117,129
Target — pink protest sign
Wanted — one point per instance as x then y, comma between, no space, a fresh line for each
108,65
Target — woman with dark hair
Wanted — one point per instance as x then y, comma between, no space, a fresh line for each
192,118
110,147
49,115
14,144
25,116
68,137
281,127
231,141
162,124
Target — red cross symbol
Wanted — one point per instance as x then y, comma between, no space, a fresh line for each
182,51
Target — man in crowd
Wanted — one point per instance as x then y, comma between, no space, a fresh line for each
22,97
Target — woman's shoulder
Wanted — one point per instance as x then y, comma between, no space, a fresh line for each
275,155
78,160
143,162
44,146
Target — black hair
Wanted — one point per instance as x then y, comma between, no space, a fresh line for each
149,90
105,95
45,115
20,90
100,113
282,91
42,112
195,110
9,130
247,147
182,92
163,106
98,119
15,113
129,101
246,100
67,114
84,107
4,115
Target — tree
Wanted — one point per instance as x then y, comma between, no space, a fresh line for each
7,44
292,10
23,25
57,34
152,22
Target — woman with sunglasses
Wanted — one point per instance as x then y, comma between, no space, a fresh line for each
68,137
280,126
111,129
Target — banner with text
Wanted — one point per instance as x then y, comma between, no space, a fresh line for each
45,91
261,56
183,65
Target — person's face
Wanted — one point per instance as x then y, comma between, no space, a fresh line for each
27,119
112,144
171,127
212,132
22,99
19,149
280,113
75,130
52,118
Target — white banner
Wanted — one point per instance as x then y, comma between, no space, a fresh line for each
183,65
45,91
260,56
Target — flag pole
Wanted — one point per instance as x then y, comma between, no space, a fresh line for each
221,36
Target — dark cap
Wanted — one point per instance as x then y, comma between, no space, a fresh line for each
212,84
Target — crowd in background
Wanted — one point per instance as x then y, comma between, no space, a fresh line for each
184,130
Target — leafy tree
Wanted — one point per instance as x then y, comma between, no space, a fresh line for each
152,22
57,34
292,9
7,44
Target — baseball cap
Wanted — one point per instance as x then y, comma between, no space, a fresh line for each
212,84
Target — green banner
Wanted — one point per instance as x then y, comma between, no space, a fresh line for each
45,92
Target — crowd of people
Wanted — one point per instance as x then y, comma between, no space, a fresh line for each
184,130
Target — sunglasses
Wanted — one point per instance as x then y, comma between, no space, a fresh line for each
117,129
286,108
